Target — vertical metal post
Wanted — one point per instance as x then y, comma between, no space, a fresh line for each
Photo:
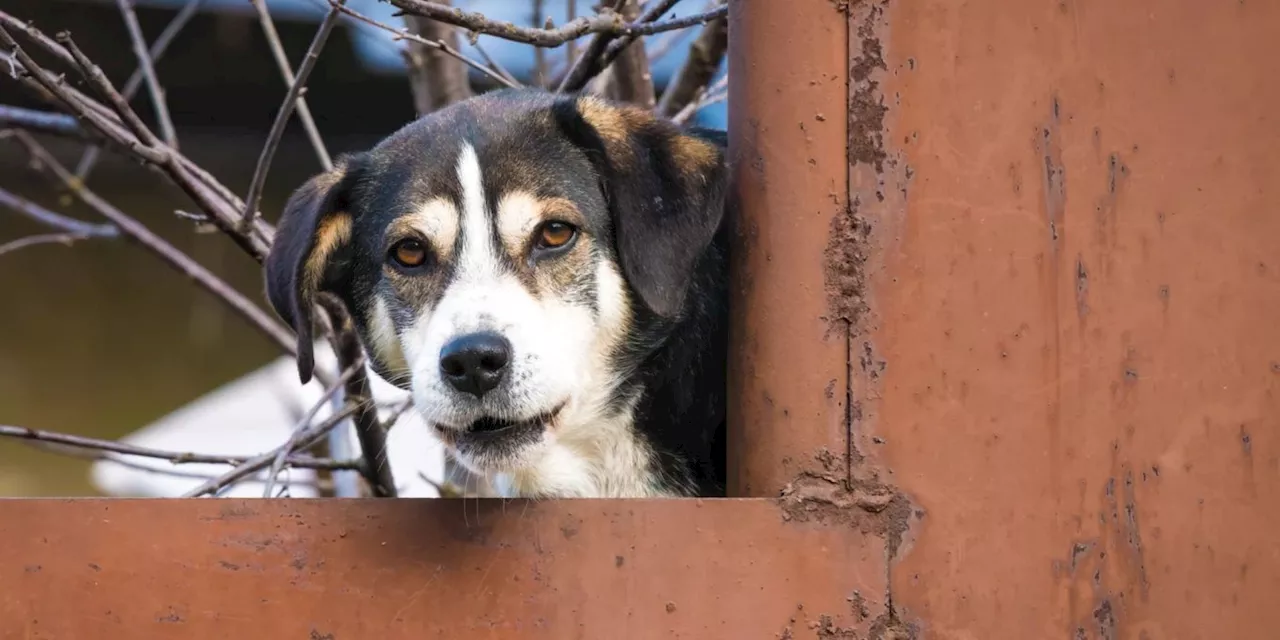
788,368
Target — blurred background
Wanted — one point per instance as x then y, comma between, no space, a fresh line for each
99,338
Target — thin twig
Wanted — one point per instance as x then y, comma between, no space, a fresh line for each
57,221
604,49
176,457
571,51
706,97
498,76
604,23
135,231
632,80
436,79
98,80
43,122
700,66
286,72
587,65
282,117
148,72
539,53
223,206
135,81
494,64
174,472
291,444
65,239
261,461
370,431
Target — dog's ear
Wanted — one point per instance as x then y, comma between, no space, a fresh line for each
316,225
665,188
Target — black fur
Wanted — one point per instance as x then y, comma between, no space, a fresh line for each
667,230
295,239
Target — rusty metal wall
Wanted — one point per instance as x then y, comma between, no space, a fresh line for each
1035,322
359,569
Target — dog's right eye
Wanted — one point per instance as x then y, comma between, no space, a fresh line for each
409,253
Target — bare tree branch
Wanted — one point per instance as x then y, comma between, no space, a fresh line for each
148,72
571,51
176,457
43,122
603,49
286,72
282,454
135,231
282,117
369,429
632,80
57,221
498,74
495,65
586,67
250,466
131,86
222,205
605,23
540,54
705,55
66,239
435,78
705,97
93,74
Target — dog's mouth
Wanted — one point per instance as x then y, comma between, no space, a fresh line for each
490,430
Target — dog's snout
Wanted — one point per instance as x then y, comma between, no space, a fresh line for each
475,363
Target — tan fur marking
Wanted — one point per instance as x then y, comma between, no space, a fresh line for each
606,119
334,231
692,154
520,212
436,220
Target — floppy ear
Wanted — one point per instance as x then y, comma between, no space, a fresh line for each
665,188
315,225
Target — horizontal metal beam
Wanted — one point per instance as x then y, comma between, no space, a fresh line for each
409,568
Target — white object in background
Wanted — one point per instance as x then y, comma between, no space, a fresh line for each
255,414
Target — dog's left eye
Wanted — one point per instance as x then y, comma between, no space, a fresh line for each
555,234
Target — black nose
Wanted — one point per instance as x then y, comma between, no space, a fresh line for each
475,363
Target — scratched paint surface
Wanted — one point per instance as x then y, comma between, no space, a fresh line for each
1076,300
356,569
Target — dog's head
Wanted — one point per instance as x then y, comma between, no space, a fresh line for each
508,259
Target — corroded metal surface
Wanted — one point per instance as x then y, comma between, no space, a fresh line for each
1049,293
786,119
355,569
1072,356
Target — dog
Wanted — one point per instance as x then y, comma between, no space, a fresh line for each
546,274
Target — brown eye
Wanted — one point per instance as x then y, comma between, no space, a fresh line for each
409,253
554,235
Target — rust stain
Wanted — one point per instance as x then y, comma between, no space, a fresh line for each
1145,186
827,495
866,103
1082,288
846,258
1053,173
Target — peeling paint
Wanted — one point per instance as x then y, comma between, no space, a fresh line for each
1053,174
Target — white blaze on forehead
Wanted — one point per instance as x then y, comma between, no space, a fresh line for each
477,248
